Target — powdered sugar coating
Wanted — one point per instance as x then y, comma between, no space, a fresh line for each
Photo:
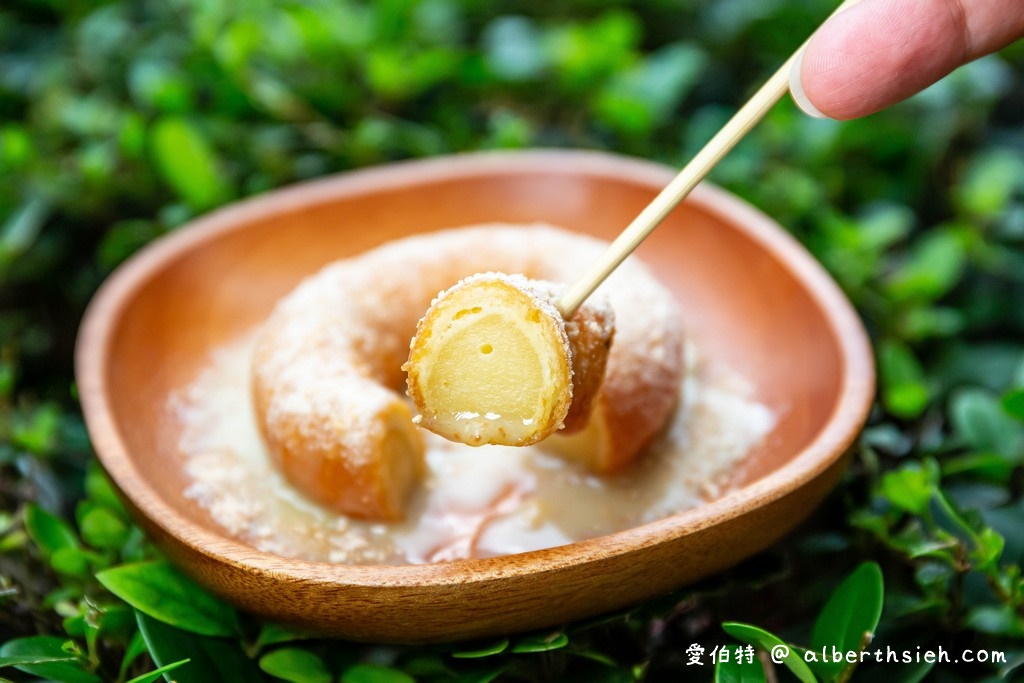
327,367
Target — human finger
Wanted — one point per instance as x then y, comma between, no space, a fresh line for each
879,52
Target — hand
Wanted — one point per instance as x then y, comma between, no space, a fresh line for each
879,52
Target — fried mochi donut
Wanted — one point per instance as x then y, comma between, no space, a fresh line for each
327,378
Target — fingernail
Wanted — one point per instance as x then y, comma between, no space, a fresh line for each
796,89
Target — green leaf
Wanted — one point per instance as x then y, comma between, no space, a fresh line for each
73,561
999,620
638,99
541,643
75,626
374,673
158,590
102,529
16,148
52,660
979,419
295,665
1013,403
397,74
990,182
99,489
424,665
922,321
187,163
274,634
584,55
49,532
509,131
934,267
849,618
985,465
739,670
911,487
853,249
882,226
1014,661
1005,520
772,644
136,646
904,391
484,650
116,620
923,547
157,673
988,549
949,518
20,231
211,660
159,85
513,49
22,660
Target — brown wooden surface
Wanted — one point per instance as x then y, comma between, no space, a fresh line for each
751,298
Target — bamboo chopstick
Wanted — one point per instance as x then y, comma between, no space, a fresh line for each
644,224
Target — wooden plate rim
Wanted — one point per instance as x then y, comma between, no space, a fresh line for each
101,320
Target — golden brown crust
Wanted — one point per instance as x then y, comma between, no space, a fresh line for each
352,448
591,332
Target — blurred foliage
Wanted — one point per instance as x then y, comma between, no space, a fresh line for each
121,120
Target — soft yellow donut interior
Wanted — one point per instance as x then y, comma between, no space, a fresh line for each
489,365
590,446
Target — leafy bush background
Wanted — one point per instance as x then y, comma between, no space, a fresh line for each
121,120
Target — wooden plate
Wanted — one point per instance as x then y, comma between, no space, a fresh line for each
752,297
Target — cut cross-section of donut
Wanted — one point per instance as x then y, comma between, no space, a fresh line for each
490,363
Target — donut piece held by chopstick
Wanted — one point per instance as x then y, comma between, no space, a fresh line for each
493,362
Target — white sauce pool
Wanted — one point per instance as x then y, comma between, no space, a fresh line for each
474,502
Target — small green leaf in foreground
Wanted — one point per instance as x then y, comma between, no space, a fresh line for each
212,660
772,644
850,616
157,589
103,529
374,673
1013,403
48,531
934,267
274,634
157,673
485,650
980,419
904,391
295,665
45,657
541,643
911,487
